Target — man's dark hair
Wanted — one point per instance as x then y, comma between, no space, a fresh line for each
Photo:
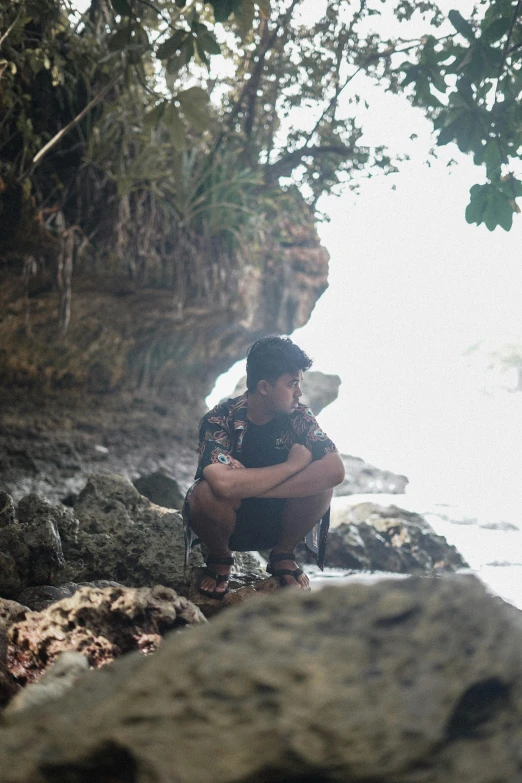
271,357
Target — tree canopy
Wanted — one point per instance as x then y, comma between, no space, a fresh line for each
153,125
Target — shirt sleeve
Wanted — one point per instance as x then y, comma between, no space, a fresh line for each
214,440
311,435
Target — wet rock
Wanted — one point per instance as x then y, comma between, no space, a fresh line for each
414,681
67,668
161,489
100,623
377,538
363,478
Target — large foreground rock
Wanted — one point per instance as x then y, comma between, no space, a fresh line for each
417,681
387,538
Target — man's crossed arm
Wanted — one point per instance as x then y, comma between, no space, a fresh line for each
297,477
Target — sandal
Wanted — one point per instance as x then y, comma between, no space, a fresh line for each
219,578
282,572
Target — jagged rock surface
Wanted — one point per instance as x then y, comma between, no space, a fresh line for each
100,623
378,538
113,534
30,547
417,681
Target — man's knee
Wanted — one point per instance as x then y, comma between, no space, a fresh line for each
313,505
203,500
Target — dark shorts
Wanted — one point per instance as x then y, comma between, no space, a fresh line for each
258,524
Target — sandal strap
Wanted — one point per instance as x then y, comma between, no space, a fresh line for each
219,578
211,560
286,572
281,556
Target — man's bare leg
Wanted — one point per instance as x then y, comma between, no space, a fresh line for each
299,517
213,519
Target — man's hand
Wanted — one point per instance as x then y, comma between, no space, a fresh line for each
299,457
235,464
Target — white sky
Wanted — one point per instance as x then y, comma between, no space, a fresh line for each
412,286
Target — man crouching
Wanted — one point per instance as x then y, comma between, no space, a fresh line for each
266,472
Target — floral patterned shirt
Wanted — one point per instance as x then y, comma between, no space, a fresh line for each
222,430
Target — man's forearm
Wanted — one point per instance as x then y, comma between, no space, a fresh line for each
317,477
248,482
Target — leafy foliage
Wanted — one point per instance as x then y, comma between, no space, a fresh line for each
469,81
152,132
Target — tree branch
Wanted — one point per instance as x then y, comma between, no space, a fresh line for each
285,165
11,27
61,133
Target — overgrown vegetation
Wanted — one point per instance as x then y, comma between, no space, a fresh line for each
112,159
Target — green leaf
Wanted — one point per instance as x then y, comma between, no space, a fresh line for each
194,105
411,75
153,117
176,126
120,40
446,135
499,212
224,8
121,7
209,43
177,62
171,45
461,25
494,31
478,202
492,158
245,17
490,206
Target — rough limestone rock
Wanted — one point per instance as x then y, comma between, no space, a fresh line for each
39,598
99,623
123,537
54,683
378,538
414,681
363,478
161,489
30,547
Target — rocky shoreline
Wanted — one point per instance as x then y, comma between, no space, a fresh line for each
114,668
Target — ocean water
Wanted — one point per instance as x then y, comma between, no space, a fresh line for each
490,542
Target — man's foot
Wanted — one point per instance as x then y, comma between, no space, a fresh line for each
214,583
287,570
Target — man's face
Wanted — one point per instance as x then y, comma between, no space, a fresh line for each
283,395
